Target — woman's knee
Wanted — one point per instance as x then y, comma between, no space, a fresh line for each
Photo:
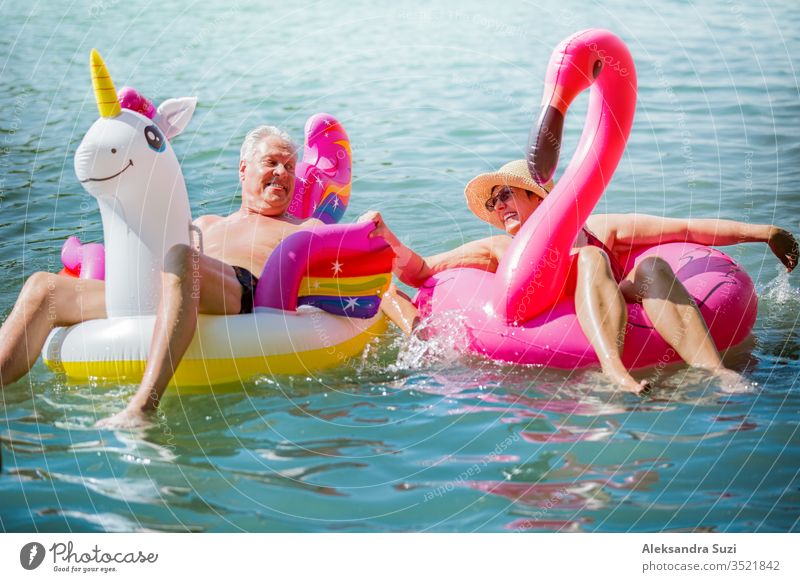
655,279
653,270
593,261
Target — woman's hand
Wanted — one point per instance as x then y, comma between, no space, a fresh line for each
784,245
409,267
381,229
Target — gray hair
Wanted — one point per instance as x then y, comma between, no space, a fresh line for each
262,132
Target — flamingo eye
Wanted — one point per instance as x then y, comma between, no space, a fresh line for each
598,66
155,139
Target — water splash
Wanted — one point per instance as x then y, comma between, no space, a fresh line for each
436,341
779,291
778,320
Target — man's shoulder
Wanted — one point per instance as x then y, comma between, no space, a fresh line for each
207,220
304,223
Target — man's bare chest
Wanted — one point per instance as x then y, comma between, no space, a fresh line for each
263,232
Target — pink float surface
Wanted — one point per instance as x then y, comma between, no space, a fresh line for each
87,261
520,314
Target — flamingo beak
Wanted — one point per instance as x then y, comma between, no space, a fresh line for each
544,144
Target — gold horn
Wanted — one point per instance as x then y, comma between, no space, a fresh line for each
104,92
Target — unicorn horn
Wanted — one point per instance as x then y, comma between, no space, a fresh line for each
104,92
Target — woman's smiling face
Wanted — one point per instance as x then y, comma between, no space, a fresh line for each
513,206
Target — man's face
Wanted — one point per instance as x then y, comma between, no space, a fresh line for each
513,206
268,177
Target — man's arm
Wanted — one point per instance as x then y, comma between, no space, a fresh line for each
414,269
632,230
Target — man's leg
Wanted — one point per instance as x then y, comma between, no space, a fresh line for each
602,315
675,316
46,301
191,282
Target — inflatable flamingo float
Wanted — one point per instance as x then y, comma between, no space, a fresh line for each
518,313
335,274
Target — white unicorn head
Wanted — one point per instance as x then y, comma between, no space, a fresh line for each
126,161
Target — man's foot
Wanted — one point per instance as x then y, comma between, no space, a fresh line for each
125,419
731,381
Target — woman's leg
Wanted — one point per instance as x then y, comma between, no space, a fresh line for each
191,282
602,315
397,306
46,301
675,316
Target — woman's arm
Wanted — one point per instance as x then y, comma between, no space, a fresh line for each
630,230
414,269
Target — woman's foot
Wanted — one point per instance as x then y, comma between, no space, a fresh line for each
732,382
628,382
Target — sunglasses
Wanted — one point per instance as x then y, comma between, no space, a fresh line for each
503,196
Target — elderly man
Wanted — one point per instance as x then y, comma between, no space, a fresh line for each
234,248
507,198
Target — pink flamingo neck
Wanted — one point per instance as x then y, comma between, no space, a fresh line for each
531,275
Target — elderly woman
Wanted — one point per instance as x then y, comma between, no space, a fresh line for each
507,198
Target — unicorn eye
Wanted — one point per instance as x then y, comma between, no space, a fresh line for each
155,139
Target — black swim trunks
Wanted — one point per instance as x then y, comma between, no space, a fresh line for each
248,282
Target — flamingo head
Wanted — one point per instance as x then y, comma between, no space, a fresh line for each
579,61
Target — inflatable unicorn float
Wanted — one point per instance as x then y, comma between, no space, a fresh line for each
318,298
518,314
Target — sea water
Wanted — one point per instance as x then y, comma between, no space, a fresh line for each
412,436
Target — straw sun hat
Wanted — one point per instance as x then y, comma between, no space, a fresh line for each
515,173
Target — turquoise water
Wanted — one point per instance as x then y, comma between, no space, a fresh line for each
409,437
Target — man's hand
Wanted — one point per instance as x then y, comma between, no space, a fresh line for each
128,418
784,245
381,229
